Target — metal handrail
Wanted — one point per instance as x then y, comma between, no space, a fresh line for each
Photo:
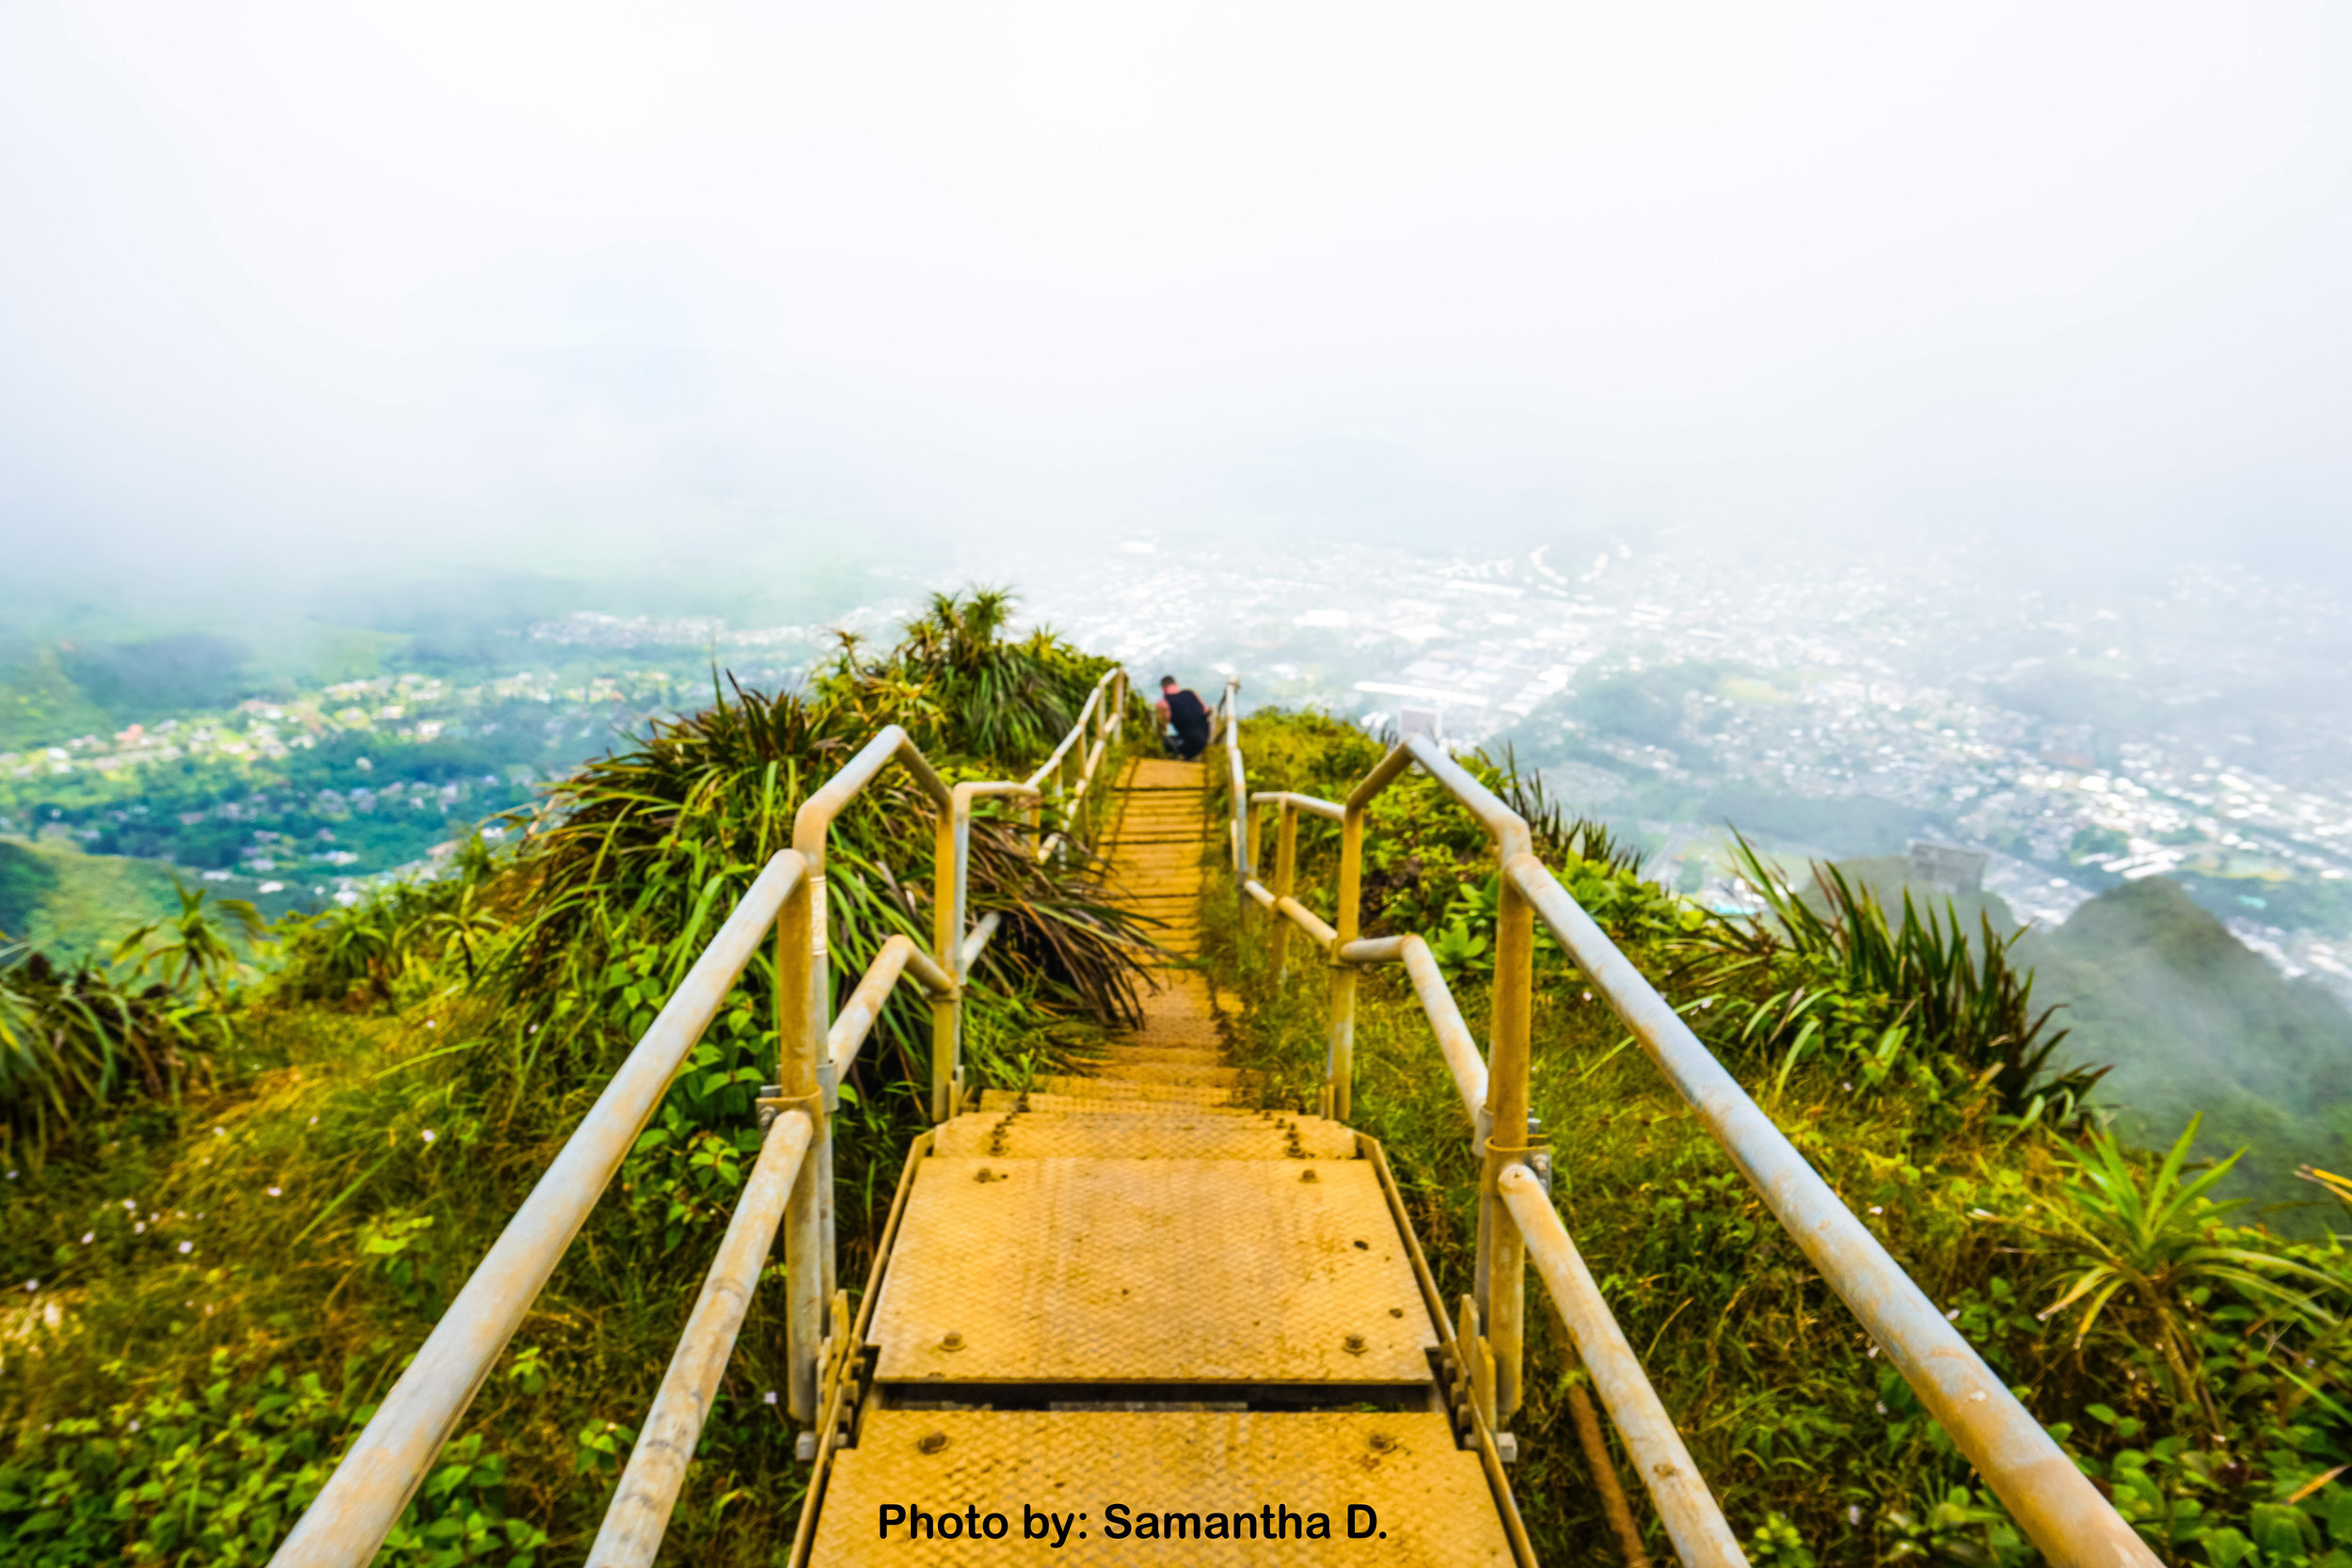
1106,705
2050,1498
1684,1504
639,1511
363,1499
633,1526
791,1179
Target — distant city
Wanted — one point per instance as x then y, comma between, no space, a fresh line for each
2074,740
2071,739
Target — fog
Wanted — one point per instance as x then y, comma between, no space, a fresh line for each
317,288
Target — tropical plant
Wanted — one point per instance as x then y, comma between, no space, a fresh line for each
193,944
2154,1243
75,1042
1865,984
958,684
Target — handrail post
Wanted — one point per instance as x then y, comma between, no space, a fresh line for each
1339,1069
948,839
800,963
1501,1275
1285,872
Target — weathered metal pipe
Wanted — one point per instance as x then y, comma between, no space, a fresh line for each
1307,803
1103,688
1245,861
633,1524
362,1500
1258,890
976,944
1445,1020
1285,886
1684,1505
2050,1498
1306,921
1459,1045
857,1018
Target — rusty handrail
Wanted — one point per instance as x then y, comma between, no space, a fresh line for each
1306,804
347,1522
362,1501
1679,1493
1459,1047
639,1511
2051,1500
642,1503
1107,706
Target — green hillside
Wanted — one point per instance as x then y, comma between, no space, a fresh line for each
70,905
2195,1023
67,903
2189,1022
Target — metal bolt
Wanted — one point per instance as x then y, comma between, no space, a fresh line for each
930,1442
1382,1443
1309,1176
1353,1344
953,1342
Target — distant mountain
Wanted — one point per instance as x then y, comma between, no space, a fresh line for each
2193,1021
2189,1019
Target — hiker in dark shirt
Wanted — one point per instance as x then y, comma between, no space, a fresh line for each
1184,710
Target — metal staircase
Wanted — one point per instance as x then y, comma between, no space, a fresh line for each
1190,1331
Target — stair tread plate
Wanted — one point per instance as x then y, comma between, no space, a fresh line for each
1199,1270
1001,1101
1107,1086
1035,1136
1432,1501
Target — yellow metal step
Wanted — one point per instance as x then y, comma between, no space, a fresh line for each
1091,1103
1423,1502
1136,1271
1044,1136
1129,1088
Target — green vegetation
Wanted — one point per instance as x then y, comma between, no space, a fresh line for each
235,1240
2207,1394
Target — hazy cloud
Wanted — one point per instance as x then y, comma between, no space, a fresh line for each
330,280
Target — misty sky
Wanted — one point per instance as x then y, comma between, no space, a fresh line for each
318,282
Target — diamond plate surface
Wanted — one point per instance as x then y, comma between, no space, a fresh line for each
1128,1089
1031,1137
1090,1103
1170,1055
1430,1500
1206,1270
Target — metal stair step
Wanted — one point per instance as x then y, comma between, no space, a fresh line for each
1131,1088
1043,1135
1130,1271
1432,1501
